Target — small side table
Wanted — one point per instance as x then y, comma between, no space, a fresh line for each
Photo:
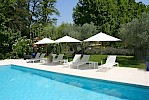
65,63
92,63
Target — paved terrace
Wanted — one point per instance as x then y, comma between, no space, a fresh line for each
119,74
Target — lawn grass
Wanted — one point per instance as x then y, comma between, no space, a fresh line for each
124,61
129,61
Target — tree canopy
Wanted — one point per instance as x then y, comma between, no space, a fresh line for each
23,18
108,15
135,35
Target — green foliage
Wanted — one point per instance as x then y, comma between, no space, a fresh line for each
23,18
21,47
6,41
14,15
88,30
49,31
108,15
135,34
21,15
77,31
6,9
42,10
1,56
108,51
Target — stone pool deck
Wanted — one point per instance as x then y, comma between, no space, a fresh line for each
119,74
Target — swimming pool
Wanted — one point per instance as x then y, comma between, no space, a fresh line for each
21,83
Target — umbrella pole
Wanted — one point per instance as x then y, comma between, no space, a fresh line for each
101,53
66,52
47,50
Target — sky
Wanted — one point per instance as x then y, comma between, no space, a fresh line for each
143,1
65,7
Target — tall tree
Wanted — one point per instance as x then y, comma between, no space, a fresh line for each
17,13
23,17
135,35
7,36
108,15
41,15
42,10
77,31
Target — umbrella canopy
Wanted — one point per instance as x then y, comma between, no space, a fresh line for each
67,39
45,41
102,37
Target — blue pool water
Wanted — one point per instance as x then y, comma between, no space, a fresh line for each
21,83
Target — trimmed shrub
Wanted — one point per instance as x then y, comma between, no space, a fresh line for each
109,51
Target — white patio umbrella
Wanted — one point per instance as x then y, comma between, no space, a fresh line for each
102,37
66,39
45,41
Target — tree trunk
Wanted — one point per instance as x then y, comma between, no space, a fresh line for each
140,53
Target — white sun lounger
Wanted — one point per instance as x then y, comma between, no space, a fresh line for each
33,59
39,59
110,62
59,58
75,59
42,56
84,60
